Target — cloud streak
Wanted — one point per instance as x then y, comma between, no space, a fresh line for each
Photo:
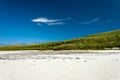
56,23
39,24
50,21
90,21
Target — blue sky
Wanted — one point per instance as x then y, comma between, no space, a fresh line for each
34,21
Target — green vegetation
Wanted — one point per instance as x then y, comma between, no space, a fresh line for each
94,42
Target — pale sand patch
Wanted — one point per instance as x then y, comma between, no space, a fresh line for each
88,67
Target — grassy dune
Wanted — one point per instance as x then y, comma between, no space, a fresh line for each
92,42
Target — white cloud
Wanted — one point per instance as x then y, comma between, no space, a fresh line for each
49,21
43,20
91,21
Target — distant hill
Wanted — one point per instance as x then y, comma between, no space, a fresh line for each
106,40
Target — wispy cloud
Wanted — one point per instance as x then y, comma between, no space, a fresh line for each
50,21
108,21
90,21
56,23
39,24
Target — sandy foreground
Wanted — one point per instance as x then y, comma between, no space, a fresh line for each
70,65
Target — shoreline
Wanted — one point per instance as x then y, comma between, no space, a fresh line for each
61,51
52,55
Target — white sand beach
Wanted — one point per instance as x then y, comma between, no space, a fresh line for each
33,65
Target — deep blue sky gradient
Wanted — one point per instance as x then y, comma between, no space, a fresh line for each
87,17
